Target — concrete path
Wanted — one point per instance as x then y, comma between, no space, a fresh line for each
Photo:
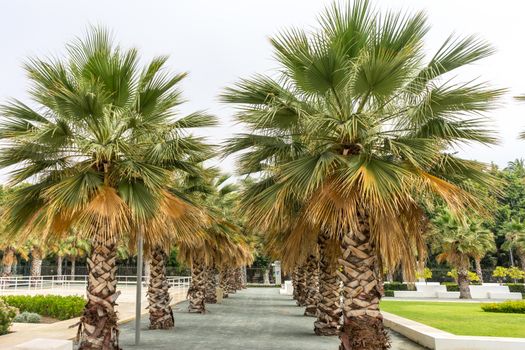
256,318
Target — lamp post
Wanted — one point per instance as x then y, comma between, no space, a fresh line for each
138,300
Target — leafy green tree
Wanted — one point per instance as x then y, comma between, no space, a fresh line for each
352,125
100,146
514,231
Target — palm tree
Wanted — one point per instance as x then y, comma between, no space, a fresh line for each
515,239
352,125
60,248
76,247
102,145
457,242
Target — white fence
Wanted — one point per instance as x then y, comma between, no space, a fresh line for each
21,283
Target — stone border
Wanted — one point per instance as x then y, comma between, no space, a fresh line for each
436,339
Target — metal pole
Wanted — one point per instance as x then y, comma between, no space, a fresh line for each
139,288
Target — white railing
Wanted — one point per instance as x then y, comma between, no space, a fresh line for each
28,283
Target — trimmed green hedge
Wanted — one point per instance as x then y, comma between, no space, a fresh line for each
389,293
517,288
451,286
395,286
56,306
508,307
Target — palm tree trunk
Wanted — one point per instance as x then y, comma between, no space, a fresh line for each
223,276
312,286
59,265
230,281
266,276
463,281
211,285
244,278
73,260
7,261
479,272
238,278
328,307
160,312
98,328
362,289
295,284
36,262
301,286
197,290
521,254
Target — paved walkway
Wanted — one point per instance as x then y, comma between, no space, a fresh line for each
256,318
23,332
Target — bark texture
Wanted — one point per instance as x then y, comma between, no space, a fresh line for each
73,260
237,279
160,312
197,290
312,286
211,285
328,307
224,282
479,272
362,289
36,262
60,260
463,281
301,286
7,261
98,325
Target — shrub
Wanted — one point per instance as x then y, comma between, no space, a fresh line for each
509,307
515,273
472,276
7,314
27,317
451,286
389,293
395,286
517,288
56,306
425,274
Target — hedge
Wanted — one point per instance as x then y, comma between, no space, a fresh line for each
56,306
517,288
395,286
509,307
389,293
7,314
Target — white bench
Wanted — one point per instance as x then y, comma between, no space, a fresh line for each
423,291
448,295
505,296
286,288
46,344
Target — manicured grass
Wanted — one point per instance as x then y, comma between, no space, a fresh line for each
459,318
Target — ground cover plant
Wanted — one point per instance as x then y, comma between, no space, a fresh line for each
459,318
508,307
60,307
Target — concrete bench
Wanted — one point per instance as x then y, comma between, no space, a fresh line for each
482,292
46,344
423,291
505,296
287,288
448,295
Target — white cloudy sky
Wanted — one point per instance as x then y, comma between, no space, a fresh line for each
219,41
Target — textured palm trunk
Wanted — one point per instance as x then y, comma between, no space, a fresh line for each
328,306
362,289
73,260
230,281
223,276
266,276
98,328
295,285
479,272
160,312
312,286
197,290
522,259
59,265
244,278
463,281
36,265
36,262
211,285
7,262
237,278
301,286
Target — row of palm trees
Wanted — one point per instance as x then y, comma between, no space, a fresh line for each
347,141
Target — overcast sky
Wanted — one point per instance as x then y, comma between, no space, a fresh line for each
220,41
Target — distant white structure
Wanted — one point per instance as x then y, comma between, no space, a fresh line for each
485,291
277,271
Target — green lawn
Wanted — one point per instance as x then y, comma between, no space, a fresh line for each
459,318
